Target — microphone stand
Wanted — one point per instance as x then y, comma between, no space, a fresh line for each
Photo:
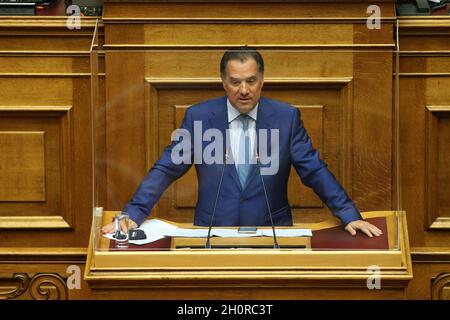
275,242
208,240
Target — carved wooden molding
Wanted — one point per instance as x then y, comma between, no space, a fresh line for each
46,22
41,286
427,75
430,254
441,223
423,22
440,287
30,222
166,82
22,284
44,53
434,220
36,108
44,255
349,47
59,75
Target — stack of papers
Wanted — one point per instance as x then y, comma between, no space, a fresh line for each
156,229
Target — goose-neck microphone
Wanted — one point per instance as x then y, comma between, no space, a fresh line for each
208,240
275,242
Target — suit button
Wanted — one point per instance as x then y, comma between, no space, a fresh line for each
241,200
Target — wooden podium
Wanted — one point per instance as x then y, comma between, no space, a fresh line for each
332,265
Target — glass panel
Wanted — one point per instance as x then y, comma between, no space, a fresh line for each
325,236
348,103
97,210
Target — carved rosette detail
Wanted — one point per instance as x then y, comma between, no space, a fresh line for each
440,287
42,286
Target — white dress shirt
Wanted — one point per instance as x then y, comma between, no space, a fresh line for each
235,130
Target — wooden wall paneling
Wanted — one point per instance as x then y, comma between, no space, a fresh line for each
44,34
424,74
424,100
54,124
436,159
438,102
44,274
23,157
431,272
346,148
227,35
372,118
372,121
123,32
64,127
100,144
420,43
45,88
412,134
281,64
373,37
97,70
43,64
81,192
440,287
125,118
247,9
243,290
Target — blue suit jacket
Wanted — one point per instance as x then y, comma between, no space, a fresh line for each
246,205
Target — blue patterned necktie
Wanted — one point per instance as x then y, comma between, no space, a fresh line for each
244,150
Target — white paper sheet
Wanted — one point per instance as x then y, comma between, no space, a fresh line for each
188,233
156,229
156,226
288,232
137,242
233,233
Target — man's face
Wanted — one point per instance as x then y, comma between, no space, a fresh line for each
243,84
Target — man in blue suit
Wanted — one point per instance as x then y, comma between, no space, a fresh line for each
241,199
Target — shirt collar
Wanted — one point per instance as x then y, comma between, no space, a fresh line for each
233,113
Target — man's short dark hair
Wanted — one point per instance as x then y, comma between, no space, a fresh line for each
241,53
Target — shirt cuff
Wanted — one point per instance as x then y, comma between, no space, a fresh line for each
136,215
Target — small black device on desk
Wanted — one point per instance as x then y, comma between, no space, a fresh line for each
137,234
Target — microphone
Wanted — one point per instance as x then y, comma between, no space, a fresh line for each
208,240
275,242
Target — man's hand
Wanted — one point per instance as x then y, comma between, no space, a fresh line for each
369,229
109,228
